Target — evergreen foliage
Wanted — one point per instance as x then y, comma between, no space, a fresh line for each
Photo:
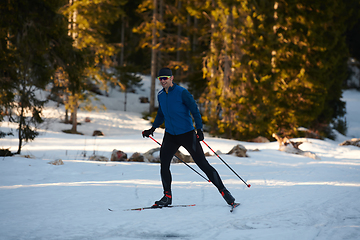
310,62
31,38
288,61
127,79
257,67
89,22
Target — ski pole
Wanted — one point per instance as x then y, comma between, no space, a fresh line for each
184,162
248,185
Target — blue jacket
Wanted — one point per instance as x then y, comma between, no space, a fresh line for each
175,108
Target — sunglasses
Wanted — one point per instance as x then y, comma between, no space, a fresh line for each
163,78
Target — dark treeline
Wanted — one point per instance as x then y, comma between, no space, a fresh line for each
256,67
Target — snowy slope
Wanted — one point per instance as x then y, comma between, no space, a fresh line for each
291,197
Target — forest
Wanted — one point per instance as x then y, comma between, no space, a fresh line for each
255,67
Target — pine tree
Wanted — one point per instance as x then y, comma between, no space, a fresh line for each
121,33
149,29
165,30
237,69
310,63
89,25
127,79
284,73
31,38
197,30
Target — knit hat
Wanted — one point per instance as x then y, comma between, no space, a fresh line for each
165,72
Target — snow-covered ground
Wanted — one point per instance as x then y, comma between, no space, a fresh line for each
291,197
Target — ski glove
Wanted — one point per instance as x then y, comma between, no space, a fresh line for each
147,133
199,134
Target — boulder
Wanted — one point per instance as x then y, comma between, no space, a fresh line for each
218,152
207,154
118,155
153,155
260,139
136,157
238,150
183,157
291,149
353,142
5,152
144,100
98,158
98,133
286,145
56,162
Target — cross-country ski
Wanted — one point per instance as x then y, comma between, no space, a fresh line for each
154,207
158,207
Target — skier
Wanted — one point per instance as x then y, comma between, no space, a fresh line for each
175,106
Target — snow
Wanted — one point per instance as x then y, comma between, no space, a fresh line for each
351,97
291,196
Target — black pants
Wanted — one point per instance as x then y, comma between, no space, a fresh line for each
171,143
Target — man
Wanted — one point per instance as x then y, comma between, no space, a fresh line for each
175,106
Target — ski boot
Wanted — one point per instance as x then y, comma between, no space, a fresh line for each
227,196
165,201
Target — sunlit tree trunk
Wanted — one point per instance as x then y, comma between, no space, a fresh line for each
153,60
178,43
75,104
161,33
122,41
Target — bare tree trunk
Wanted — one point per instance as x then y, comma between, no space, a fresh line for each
227,71
188,23
212,43
122,41
194,43
72,23
153,60
161,33
122,54
73,17
66,110
273,53
20,127
227,59
125,100
74,117
178,42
